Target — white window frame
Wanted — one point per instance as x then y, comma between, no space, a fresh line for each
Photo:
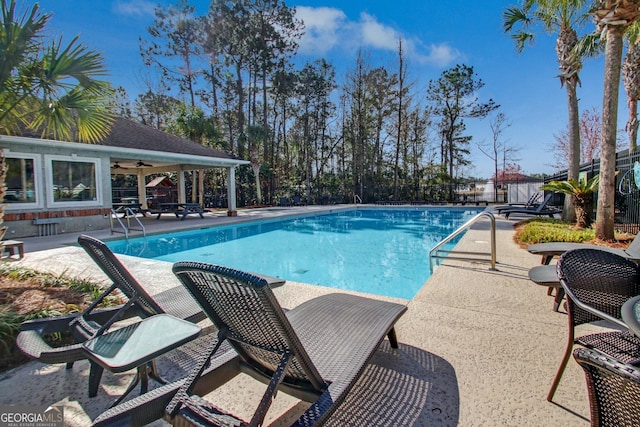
37,179
48,165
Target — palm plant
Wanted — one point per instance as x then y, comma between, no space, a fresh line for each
50,89
553,16
582,192
613,18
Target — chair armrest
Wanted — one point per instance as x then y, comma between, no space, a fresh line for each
52,325
589,309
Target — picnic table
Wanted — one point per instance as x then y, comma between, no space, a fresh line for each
180,210
135,208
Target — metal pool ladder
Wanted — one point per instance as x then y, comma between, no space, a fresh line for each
128,213
438,253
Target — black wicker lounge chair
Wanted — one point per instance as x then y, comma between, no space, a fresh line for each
93,321
539,210
532,203
597,283
314,352
613,386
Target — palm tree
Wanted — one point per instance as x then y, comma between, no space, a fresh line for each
582,192
612,17
631,81
559,16
50,89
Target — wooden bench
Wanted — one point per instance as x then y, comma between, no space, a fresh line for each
11,246
47,226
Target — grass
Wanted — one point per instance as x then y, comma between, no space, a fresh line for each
27,294
542,230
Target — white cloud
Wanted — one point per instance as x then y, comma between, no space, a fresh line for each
441,55
135,7
377,35
323,26
328,29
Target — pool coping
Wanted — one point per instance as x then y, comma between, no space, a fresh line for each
477,347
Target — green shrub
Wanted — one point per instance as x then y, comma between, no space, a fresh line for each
543,230
9,327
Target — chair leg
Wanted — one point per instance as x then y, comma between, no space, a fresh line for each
393,339
558,299
95,374
561,368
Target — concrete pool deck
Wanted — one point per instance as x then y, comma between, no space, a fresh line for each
477,347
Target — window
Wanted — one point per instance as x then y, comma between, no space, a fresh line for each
73,181
20,181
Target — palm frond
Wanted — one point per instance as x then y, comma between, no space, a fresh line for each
590,45
514,16
571,186
18,37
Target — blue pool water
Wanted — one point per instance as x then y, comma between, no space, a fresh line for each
379,251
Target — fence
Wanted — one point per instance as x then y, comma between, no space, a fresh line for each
627,197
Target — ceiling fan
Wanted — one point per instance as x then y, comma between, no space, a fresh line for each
142,164
116,165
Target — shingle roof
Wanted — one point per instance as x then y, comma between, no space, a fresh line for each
126,133
129,134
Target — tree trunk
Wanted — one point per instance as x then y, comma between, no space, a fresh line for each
569,212
583,208
606,191
632,125
256,173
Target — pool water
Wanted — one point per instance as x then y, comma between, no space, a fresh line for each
379,251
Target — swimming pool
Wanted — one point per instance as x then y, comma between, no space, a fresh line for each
379,251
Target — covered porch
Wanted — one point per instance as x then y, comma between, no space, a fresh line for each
57,187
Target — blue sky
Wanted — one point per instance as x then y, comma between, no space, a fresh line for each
436,35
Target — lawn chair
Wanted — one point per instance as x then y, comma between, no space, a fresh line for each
597,283
540,210
532,203
93,321
314,352
613,386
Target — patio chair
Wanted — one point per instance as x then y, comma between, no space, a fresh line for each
540,210
315,352
597,283
613,387
93,321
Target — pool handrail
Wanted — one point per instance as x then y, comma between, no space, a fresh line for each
128,213
438,253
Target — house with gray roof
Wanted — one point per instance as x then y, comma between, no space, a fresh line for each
68,184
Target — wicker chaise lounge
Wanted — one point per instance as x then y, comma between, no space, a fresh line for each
314,352
532,203
540,210
93,321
